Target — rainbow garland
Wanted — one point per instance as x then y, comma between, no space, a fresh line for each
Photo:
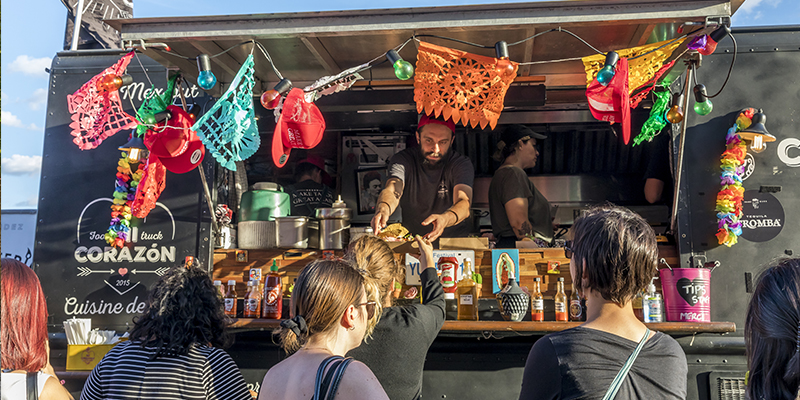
730,197
124,193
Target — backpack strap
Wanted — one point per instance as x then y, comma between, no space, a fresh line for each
327,382
32,390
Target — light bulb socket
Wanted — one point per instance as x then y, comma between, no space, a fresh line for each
393,57
135,143
720,33
501,49
284,86
676,99
611,59
162,116
126,80
700,94
203,63
759,118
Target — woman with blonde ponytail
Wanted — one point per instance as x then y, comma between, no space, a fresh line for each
330,314
400,340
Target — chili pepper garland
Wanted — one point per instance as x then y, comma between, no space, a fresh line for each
730,197
124,193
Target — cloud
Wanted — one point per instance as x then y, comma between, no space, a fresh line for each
31,66
18,165
12,120
37,99
30,202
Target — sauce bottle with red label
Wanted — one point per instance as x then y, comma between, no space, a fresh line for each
537,301
252,300
273,294
561,302
230,299
449,268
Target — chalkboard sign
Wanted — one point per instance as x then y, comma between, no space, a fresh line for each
82,276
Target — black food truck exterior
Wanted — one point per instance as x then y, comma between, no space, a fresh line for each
84,277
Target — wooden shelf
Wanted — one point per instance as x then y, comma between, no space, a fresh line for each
526,326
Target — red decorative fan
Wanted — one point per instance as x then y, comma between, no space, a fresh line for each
97,114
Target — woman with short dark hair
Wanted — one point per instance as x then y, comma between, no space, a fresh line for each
772,334
174,349
613,257
26,350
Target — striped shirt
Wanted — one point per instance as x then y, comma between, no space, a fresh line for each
127,372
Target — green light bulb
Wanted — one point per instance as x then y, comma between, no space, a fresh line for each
403,69
703,107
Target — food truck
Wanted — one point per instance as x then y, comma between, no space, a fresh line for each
370,114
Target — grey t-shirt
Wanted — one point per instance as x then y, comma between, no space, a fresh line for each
429,189
581,363
509,183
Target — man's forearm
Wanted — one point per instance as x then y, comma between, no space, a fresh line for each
460,211
390,198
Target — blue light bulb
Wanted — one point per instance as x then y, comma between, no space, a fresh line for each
606,74
206,80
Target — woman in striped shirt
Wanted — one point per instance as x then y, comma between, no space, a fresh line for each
175,347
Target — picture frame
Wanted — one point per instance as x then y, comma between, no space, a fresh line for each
369,183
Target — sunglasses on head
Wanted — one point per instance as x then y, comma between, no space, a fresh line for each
568,249
370,307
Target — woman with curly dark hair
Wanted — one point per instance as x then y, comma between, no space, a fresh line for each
772,333
174,349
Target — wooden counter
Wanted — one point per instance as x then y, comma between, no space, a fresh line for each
672,328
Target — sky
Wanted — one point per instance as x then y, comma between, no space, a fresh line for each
33,32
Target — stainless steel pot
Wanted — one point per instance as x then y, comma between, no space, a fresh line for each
334,227
297,232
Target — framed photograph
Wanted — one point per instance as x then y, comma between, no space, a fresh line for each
369,182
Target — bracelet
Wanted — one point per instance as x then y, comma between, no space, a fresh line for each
454,213
387,205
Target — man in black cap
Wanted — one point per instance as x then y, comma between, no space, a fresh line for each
517,208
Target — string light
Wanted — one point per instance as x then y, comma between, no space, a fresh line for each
606,74
111,82
675,113
712,40
403,69
504,66
205,79
135,148
272,97
702,105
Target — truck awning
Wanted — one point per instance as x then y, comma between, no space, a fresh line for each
309,45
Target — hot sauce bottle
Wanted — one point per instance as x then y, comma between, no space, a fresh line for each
537,301
449,267
273,294
467,294
561,302
230,299
252,300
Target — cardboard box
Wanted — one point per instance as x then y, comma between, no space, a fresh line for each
467,243
84,357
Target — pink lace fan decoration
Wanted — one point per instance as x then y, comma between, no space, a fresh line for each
97,115
150,187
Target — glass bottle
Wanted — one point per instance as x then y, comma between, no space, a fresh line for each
230,299
561,302
218,288
273,294
252,300
577,307
537,301
467,294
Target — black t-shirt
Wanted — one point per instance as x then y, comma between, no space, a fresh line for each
396,353
429,189
581,363
307,196
509,183
658,164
